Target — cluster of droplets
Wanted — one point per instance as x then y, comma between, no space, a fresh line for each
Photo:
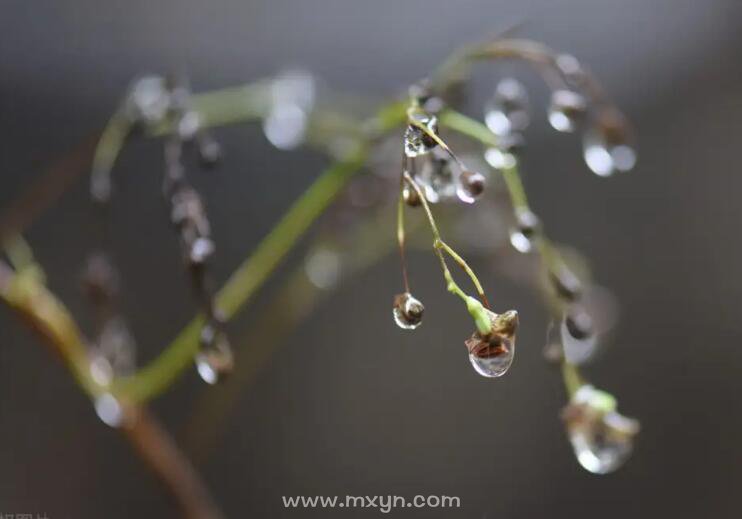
112,352
601,437
188,215
432,173
292,97
438,171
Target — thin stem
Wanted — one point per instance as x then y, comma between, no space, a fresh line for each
573,381
401,237
465,266
246,280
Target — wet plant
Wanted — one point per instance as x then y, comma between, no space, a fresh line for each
422,127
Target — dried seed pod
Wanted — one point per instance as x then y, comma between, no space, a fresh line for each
407,311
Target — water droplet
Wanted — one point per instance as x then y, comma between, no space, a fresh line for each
437,179
579,339
416,141
526,229
148,100
189,125
214,360
470,186
323,268
209,151
565,283
553,351
109,410
602,438
566,110
499,159
407,311
606,147
571,69
507,111
292,94
492,354
200,250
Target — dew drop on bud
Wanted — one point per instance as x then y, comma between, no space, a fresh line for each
601,438
416,141
109,410
566,110
437,179
526,228
492,354
606,147
579,339
507,111
214,360
470,185
407,311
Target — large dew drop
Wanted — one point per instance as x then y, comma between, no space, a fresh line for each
492,354
602,438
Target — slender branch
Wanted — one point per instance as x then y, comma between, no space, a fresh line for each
24,293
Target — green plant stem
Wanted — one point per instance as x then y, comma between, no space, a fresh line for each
246,280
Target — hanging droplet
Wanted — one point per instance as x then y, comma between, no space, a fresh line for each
200,250
407,311
209,151
553,351
293,96
214,360
188,125
602,438
565,283
109,410
436,178
579,339
566,110
526,229
416,141
507,111
606,146
571,69
470,185
492,354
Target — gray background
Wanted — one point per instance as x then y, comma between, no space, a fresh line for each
385,412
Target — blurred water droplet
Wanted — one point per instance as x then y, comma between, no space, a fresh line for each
579,339
499,159
470,186
602,438
507,111
148,100
492,354
416,141
565,283
526,228
109,410
566,110
201,249
323,268
292,94
189,125
606,148
214,360
437,179
407,311
553,351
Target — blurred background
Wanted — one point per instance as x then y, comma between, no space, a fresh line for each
347,403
